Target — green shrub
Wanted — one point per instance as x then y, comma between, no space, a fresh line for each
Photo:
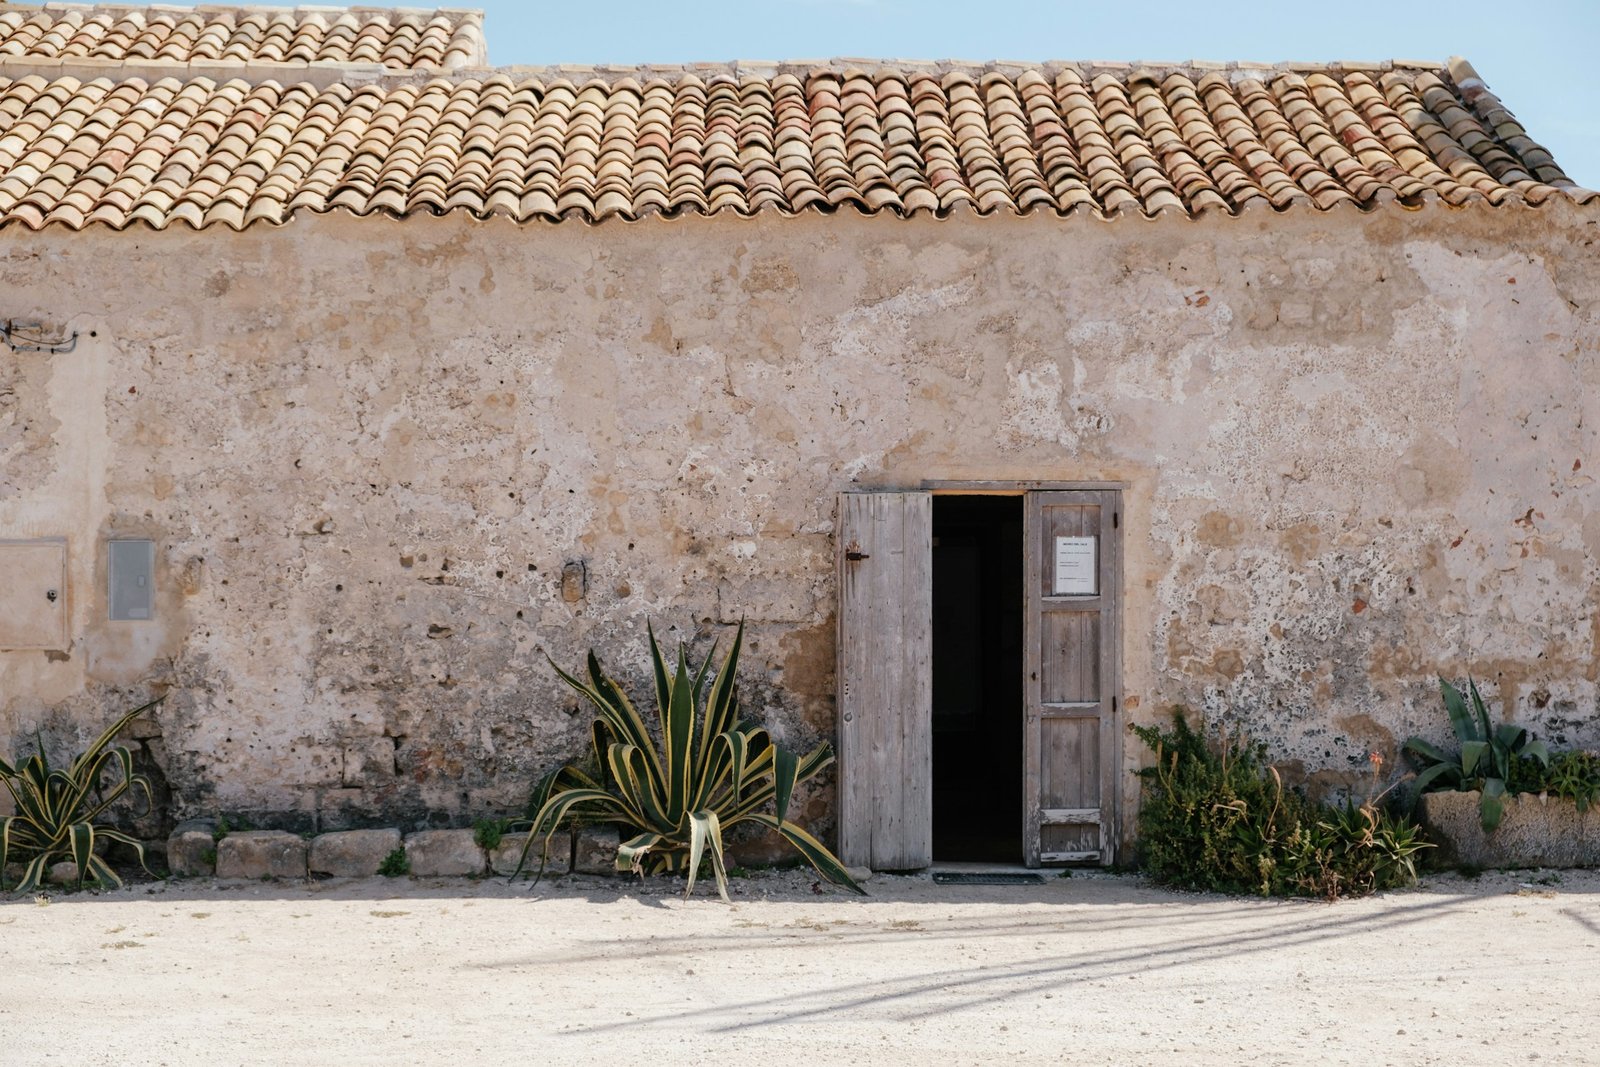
225,826
1216,816
709,771
1571,776
1489,757
56,808
488,832
395,865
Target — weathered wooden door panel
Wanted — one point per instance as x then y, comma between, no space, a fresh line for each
1069,784
1072,666
885,680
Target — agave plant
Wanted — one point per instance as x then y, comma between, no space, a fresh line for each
709,772
1488,753
56,808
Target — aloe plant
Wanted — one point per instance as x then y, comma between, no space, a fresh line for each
709,772
1489,753
56,808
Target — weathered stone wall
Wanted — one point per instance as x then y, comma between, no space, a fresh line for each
1360,450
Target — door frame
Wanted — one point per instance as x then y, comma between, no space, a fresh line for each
1001,487
1111,791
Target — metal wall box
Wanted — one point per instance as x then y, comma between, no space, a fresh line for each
33,594
131,567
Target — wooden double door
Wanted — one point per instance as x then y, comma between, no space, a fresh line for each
1070,664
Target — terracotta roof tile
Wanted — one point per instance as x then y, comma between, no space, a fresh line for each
581,144
396,39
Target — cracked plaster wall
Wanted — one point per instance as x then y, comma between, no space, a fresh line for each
1360,451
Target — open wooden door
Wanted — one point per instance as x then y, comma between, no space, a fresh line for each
1072,684
885,680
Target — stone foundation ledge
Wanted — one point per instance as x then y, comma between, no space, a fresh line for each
1536,831
196,850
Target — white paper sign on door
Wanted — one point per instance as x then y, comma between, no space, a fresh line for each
1075,566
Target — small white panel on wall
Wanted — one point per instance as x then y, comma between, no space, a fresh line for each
130,570
33,594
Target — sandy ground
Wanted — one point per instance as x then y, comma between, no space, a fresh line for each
1095,969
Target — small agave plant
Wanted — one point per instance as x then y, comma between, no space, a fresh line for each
1488,753
56,808
710,771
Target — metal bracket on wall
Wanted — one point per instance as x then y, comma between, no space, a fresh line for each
30,337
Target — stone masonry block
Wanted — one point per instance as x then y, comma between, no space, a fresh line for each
766,600
261,854
121,855
504,858
352,853
192,853
144,728
596,851
444,853
369,761
344,809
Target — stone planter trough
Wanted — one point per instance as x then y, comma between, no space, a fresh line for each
1536,831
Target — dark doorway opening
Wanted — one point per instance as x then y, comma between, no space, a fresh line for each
977,678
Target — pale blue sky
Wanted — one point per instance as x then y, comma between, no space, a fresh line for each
1539,57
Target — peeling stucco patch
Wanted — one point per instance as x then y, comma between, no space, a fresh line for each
1032,411
27,429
